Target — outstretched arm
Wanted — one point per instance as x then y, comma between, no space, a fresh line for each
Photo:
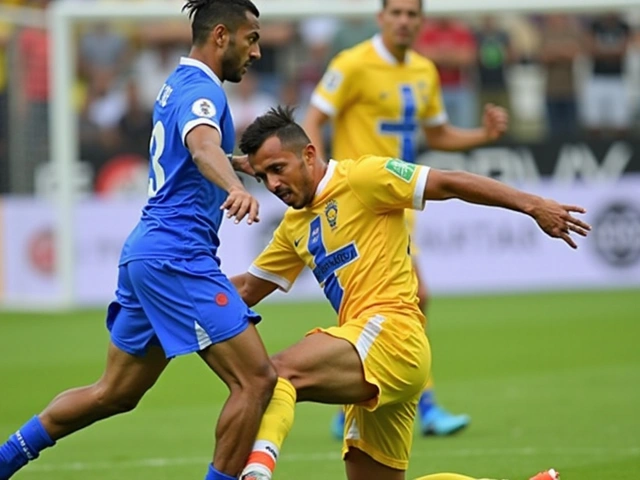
553,218
251,288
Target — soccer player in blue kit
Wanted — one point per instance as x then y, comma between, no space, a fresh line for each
172,299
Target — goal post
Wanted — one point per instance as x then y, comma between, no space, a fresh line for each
63,129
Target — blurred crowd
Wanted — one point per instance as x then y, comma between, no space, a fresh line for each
558,75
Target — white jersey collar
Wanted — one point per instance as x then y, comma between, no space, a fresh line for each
192,62
382,50
331,167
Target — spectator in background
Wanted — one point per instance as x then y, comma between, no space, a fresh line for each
103,48
104,107
352,31
451,46
561,44
494,55
275,37
317,35
33,65
135,126
247,101
607,106
162,45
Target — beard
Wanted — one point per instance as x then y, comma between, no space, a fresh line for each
231,64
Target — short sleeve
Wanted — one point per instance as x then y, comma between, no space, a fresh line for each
204,105
384,184
435,113
279,263
337,87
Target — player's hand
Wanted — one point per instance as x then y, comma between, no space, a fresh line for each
557,222
239,204
495,121
240,163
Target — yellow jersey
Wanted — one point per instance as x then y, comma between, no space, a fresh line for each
379,105
349,238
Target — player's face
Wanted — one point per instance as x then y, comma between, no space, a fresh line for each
242,50
285,174
400,22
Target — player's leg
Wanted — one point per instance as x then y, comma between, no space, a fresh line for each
319,368
194,308
434,420
342,365
242,363
133,366
124,382
546,475
360,466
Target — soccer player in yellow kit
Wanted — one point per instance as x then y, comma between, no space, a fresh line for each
380,95
343,224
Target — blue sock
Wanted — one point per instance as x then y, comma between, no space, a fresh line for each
427,402
214,474
22,447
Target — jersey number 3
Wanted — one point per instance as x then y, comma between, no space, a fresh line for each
156,149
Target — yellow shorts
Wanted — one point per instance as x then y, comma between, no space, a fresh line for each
396,357
410,219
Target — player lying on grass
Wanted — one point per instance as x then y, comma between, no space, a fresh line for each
346,223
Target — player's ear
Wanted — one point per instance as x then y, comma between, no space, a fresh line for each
220,35
309,153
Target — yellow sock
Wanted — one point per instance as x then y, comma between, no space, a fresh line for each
274,428
445,476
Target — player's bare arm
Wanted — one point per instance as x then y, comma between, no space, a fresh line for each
446,137
251,288
553,218
313,123
203,143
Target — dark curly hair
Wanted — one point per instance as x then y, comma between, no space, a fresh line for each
278,121
206,14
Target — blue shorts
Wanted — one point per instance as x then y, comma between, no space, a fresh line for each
182,305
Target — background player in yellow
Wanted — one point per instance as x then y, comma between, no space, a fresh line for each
343,224
380,96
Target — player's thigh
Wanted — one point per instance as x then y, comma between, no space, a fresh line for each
394,353
130,328
241,361
326,369
190,304
384,434
127,377
360,466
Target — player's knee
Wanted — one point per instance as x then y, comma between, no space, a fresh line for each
257,386
113,400
287,370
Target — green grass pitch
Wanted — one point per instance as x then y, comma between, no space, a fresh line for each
550,380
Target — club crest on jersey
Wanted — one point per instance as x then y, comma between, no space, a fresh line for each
203,108
331,212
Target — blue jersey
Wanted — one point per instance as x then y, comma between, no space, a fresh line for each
182,216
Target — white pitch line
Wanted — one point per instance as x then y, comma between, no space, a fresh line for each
325,456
